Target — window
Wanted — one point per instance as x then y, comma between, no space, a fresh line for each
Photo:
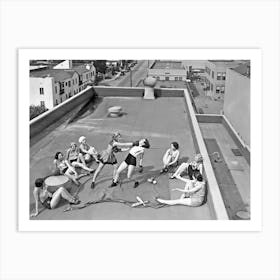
166,78
56,103
180,78
217,89
224,76
66,96
222,89
69,84
212,74
76,81
176,78
41,90
55,89
60,99
219,76
86,76
211,87
42,103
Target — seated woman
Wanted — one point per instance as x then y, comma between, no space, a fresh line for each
66,169
171,157
49,200
108,156
75,157
193,193
195,167
89,152
130,162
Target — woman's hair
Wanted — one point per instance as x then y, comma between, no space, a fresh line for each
146,144
116,135
81,139
175,145
57,154
39,183
72,144
199,178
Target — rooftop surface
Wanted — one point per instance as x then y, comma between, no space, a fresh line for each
57,74
162,121
237,165
162,64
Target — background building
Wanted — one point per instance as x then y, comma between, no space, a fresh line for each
237,100
52,86
165,70
215,76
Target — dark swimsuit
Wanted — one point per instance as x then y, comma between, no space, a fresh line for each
47,203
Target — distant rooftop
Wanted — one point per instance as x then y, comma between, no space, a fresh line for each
243,69
57,74
165,64
80,69
37,67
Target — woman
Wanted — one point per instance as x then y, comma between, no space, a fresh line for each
171,157
75,157
195,167
193,193
89,152
108,156
66,169
49,200
130,162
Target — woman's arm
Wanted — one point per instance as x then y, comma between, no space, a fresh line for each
200,168
83,150
176,159
182,179
196,188
70,167
128,144
36,197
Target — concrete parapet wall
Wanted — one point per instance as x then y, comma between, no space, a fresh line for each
215,199
244,149
118,91
46,119
204,118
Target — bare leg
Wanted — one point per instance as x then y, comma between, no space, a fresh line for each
181,169
166,160
61,193
114,170
122,167
78,164
97,171
185,201
72,177
82,159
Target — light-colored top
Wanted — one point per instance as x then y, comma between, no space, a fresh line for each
61,165
173,153
136,151
200,193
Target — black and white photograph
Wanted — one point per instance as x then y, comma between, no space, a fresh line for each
140,139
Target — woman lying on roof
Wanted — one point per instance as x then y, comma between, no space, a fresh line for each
193,193
49,200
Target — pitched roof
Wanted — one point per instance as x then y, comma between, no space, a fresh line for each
243,69
57,74
81,69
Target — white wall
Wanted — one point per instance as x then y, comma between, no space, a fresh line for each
237,103
35,97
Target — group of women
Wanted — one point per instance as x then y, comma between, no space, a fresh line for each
193,193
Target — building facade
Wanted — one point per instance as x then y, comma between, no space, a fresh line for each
168,71
50,87
216,75
237,100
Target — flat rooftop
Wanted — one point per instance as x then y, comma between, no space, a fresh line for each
162,121
165,64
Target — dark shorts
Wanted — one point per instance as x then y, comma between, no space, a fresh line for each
130,160
47,203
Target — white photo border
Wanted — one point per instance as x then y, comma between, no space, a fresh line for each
254,224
